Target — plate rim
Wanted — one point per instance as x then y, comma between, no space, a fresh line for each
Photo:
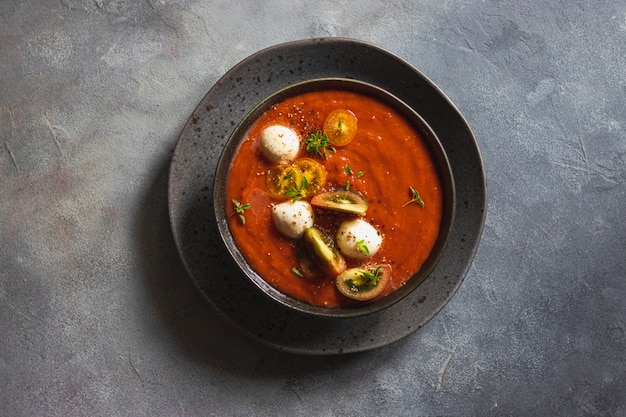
307,43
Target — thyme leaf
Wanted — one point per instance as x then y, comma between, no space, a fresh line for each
415,198
318,143
298,191
373,277
348,171
239,210
362,247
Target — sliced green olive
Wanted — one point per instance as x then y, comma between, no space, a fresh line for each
321,249
365,283
341,200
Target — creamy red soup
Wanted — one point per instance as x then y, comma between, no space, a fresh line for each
385,162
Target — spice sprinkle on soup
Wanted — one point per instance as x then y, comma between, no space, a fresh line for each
334,198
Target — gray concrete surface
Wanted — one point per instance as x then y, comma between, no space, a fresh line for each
97,315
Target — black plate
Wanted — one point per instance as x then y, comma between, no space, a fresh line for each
191,188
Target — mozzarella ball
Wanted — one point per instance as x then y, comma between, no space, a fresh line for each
358,239
279,143
292,219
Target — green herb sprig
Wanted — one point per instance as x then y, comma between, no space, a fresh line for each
240,209
362,247
373,277
298,191
415,198
318,143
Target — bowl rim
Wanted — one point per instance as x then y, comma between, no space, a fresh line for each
427,134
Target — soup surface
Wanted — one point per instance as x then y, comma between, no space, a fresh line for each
385,162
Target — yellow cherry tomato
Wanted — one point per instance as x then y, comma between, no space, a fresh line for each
281,178
340,127
314,172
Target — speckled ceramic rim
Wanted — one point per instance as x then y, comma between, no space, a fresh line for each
191,208
427,134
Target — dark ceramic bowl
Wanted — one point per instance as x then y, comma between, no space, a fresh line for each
428,135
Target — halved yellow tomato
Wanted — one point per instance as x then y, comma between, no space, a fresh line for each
282,177
314,172
340,126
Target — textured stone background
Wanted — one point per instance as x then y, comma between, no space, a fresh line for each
97,316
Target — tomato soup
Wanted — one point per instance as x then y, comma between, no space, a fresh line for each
386,162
